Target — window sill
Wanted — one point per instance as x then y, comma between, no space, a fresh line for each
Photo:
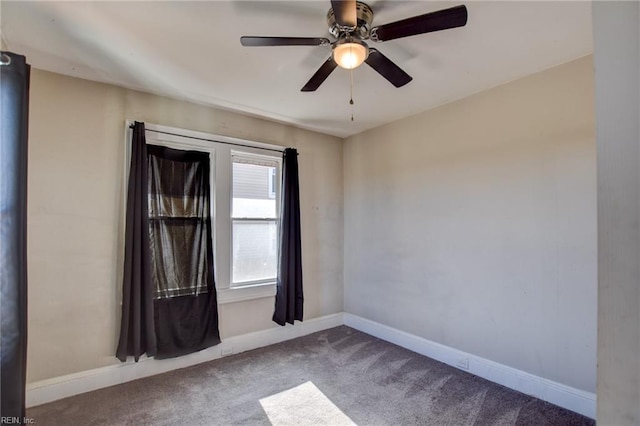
250,292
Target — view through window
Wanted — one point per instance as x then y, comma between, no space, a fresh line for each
254,216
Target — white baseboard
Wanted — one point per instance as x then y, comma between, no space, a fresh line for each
85,381
556,393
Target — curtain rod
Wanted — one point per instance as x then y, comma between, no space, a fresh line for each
210,140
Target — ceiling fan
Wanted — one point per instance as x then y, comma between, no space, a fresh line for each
350,23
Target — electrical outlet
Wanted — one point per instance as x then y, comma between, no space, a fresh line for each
226,351
463,363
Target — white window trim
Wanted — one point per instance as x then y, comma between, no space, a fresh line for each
221,197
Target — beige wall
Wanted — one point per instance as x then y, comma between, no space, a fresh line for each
75,221
616,28
474,225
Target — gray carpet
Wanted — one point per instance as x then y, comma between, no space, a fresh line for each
336,376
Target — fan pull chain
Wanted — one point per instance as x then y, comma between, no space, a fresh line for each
351,91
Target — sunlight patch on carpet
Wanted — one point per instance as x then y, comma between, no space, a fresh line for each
303,405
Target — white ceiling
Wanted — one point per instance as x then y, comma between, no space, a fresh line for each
192,51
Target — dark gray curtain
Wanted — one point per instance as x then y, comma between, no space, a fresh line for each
289,297
169,305
14,118
137,330
180,230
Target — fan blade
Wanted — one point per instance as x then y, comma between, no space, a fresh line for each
320,76
283,41
387,68
345,12
429,22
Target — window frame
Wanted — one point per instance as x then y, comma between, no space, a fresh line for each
277,164
221,181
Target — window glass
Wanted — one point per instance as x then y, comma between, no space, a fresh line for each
255,254
252,191
254,217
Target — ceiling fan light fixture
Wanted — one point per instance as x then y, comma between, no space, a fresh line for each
350,54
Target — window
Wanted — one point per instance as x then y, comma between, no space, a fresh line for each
244,184
254,216
179,221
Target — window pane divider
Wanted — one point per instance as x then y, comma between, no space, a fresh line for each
245,284
257,219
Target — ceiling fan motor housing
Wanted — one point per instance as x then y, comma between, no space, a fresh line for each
364,15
